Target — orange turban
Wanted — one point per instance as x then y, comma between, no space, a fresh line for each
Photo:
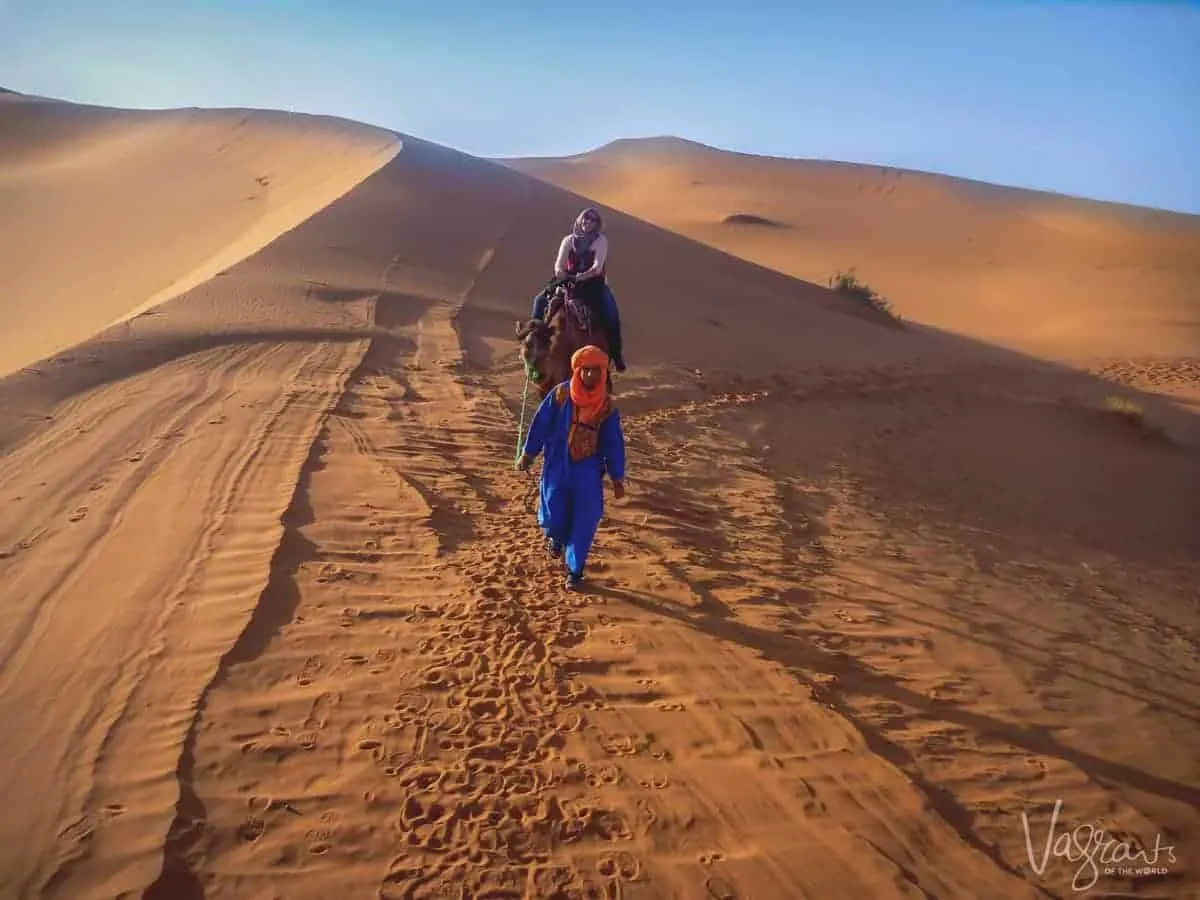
591,406
589,356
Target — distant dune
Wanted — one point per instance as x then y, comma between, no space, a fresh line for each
117,211
276,619
1056,276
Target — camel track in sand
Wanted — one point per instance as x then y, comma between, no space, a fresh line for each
416,709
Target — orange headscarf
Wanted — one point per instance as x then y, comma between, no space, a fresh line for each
589,403
591,406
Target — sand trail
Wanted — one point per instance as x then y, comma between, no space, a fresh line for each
212,502
144,476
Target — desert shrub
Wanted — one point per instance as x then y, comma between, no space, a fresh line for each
847,283
1131,411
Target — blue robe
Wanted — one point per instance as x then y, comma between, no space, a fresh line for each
571,499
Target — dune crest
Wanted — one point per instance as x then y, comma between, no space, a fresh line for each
1060,277
116,211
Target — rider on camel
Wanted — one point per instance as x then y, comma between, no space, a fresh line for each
578,429
583,257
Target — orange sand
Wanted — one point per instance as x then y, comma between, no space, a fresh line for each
276,620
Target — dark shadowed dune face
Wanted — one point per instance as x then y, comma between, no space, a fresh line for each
753,220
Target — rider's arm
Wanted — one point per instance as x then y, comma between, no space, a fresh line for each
560,262
612,446
600,247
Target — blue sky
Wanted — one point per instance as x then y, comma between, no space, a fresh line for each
1095,99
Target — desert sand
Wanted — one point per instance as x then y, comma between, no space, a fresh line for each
276,620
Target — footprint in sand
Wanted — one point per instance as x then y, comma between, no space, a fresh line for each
719,889
79,514
79,830
318,837
330,572
604,776
251,830
138,457
1034,763
622,865
646,816
411,707
318,714
609,826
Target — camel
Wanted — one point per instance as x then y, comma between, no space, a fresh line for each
547,347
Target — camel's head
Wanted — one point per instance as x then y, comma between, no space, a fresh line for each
534,336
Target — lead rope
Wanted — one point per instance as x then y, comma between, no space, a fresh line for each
528,501
521,424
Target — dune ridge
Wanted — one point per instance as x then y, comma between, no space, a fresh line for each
117,211
903,612
1056,276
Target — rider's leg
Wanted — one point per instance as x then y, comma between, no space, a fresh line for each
599,299
612,318
539,305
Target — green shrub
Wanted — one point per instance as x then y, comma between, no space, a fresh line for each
848,284
1132,412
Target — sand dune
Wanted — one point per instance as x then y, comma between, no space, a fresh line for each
1055,276
276,621
110,212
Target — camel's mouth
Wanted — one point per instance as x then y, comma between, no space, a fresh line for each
535,339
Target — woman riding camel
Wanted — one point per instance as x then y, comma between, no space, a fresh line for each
583,257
